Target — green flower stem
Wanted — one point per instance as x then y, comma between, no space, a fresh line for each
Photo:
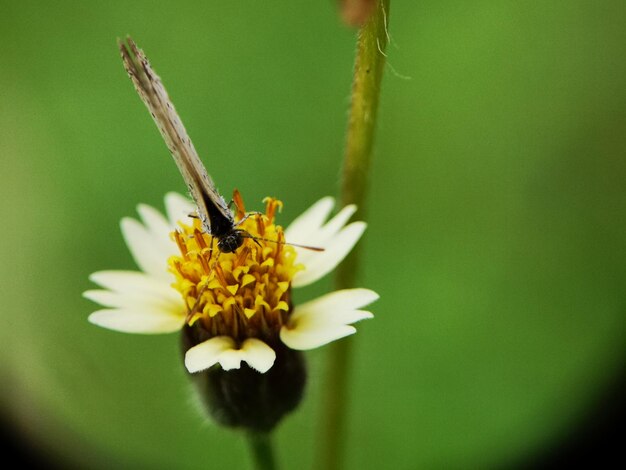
368,71
262,451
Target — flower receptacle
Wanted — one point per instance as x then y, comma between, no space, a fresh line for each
244,398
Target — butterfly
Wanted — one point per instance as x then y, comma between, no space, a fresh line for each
212,209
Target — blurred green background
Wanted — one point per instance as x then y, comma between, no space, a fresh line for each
496,217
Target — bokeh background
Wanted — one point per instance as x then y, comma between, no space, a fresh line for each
497,219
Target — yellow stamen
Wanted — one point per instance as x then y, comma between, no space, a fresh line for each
246,294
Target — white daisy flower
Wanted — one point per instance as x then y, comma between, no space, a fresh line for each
238,303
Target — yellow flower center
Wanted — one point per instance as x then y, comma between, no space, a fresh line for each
245,294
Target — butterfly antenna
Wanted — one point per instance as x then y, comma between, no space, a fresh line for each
280,242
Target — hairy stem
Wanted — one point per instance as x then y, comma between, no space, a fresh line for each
368,71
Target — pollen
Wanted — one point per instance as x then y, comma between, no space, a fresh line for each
245,294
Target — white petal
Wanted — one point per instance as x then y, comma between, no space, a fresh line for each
309,221
337,240
138,321
304,340
178,208
206,354
156,224
327,318
138,300
258,355
337,301
149,254
133,283
323,235
321,263
223,349
253,351
230,359
330,318
334,225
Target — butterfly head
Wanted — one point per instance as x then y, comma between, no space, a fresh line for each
230,242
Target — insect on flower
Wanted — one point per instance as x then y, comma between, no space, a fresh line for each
240,326
212,209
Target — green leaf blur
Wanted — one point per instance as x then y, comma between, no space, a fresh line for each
496,211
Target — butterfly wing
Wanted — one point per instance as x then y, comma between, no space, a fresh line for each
212,208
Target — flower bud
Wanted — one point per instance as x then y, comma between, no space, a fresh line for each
245,398
356,12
